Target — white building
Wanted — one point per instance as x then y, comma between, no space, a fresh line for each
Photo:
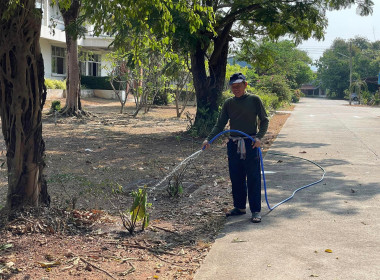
53,46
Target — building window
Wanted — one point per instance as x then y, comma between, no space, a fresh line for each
58,60
90,64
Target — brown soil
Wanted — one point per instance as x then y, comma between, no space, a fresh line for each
87,158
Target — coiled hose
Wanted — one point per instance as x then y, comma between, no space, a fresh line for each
263,173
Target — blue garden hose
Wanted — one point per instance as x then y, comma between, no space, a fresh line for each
263,173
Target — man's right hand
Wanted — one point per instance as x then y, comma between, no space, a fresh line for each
205,145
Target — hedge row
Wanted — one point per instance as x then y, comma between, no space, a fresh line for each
90,82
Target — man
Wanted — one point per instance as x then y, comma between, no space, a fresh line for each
243,111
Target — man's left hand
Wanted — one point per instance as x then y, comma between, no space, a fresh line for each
257,143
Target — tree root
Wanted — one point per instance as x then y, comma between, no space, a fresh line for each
71,112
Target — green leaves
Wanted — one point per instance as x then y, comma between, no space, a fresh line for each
277,58
5,246
138,211
334,65
138,208
137,25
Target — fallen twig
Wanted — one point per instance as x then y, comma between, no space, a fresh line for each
165,229
181,266
153,250
129,259
129,271
112,241
67,267
97,267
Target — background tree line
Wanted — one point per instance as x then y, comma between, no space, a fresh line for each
334,67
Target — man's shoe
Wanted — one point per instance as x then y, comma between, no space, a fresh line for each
235,212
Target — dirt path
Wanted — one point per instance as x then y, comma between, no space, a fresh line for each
88,158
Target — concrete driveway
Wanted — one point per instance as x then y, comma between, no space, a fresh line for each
341,214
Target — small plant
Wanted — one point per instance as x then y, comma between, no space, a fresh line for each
175,182
55,106
68,199
175,187
190,118
375,100
137,212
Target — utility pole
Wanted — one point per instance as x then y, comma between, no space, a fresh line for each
350,91
378,86
350,61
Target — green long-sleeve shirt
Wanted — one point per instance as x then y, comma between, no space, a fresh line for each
243,113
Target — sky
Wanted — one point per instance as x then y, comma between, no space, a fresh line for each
345,24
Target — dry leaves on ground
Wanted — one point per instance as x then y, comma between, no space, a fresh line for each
86,159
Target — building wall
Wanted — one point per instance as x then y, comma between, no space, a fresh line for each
56,37
46,54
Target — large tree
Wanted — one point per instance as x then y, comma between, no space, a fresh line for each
334,69
22,94
238,19
73,30
334,65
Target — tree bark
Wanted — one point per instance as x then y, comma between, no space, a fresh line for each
209,88
73,103
23,94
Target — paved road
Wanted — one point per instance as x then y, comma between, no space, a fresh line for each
342,213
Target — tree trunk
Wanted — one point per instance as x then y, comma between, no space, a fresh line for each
73,103
23,95
209,89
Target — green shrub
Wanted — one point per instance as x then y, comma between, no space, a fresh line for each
55,84
296,95
55,105
332,95
295,98
49,84
90,82
163,98
365,97
277,85
270,100
376,99
59,84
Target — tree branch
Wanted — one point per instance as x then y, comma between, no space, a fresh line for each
233,16
220,41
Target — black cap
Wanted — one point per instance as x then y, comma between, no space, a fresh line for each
237,78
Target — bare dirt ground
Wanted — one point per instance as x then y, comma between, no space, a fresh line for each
81,235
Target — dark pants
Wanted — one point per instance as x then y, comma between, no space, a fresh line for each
245,176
